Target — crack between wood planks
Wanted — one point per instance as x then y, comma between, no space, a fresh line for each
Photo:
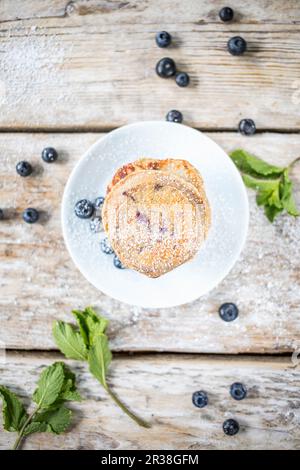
108,128
144,353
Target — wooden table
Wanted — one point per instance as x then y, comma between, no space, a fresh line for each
68,73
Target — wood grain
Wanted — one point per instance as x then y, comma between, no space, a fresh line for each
39,283
160,389
90,65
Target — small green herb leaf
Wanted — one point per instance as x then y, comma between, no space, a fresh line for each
273,185
14,414
49,385
56,419
99,358
254,166
34,427
272,212
69,391
94,348
90,324
69,341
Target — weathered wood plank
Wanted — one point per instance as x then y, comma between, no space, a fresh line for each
91,64
160,389
39,283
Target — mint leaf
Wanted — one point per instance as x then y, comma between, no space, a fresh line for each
69,341
286,189
99,358
56,419
68,391
49,385
14,414
90,344
90,324
260,184
272,212
273,185
254,166
34,427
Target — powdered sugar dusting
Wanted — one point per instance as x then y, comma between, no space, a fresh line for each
30,61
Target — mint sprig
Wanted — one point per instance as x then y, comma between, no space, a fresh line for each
272,183
56,385
88,342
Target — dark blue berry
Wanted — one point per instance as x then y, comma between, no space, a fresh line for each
163,39
30,215
182,79
96,224
166,67
231,427
117,263
98,202
247,127
105,247
24,168
1,214
49,155
174,116
200,399
236,45
238,391
228,311
226,14
84,209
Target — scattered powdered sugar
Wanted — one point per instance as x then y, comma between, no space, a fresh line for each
30,61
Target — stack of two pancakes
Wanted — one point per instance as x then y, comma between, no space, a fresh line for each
156,214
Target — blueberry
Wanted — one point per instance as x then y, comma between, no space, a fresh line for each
166,67
236,45
49,155
24,168
226,14
231,427
1,214
200,399
117,263
105,247
98,202
228,311
238,391
182,79
247,127
84,209
30,215
174,116
96,224
163,39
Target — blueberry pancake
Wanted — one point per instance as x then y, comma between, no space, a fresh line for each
175,167
154,220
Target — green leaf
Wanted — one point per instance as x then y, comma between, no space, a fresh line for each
254,166
14,414
34,427
69,341
262,198
57,419
68,391
260,184
90,324
49,385
286,189
272,212
274,199
100,358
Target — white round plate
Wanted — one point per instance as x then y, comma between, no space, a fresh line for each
225,191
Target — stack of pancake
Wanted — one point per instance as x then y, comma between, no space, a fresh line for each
156,214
